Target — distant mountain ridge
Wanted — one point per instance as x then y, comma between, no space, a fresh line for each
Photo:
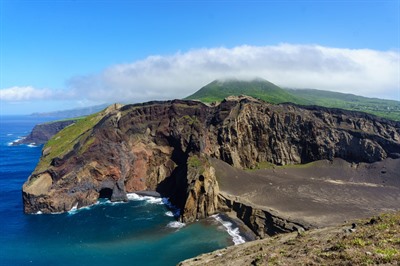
385,108
72,113
262,89
257,88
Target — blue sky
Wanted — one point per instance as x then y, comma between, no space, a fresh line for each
65,54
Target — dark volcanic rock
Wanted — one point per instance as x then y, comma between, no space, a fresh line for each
166,146
41,133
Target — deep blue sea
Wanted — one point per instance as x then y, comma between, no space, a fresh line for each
139,232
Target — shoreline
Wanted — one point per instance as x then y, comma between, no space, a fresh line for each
244,231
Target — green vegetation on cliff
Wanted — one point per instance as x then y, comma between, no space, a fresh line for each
64,141
217,90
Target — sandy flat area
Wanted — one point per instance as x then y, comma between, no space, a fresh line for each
321,193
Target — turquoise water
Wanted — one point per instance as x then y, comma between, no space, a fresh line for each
139,232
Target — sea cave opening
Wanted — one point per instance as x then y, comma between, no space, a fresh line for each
105,193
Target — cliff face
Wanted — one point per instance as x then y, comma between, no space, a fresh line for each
261,221
248,133
166,146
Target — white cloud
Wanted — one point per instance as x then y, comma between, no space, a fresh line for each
363,72
24,93
28,93
359,71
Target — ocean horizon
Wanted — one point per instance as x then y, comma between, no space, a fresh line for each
142,231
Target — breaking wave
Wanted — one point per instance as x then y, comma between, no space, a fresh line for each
175,224
232,231
75,208
169,213
148,199
15,141
172,212
173,209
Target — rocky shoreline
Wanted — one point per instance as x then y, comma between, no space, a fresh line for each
245,232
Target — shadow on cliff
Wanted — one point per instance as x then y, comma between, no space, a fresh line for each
175,186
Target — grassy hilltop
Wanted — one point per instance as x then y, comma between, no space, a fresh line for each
217,90
262,89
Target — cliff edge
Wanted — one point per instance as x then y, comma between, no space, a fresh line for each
41,133
170,147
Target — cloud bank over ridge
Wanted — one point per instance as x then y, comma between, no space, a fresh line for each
364,72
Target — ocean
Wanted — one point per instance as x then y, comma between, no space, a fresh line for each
142,231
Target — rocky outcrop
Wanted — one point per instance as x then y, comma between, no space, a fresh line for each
202,190
259,219
166,146
41,133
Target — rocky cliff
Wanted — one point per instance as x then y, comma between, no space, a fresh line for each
167,146
41,133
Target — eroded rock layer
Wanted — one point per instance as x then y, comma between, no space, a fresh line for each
167,146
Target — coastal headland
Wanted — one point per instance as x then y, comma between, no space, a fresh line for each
278,168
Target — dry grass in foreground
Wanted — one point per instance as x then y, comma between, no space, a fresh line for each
365,242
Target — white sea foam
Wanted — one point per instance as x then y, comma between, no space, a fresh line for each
12,142
175,224
175,211
103,202
85,208
233,232
74,209
169,213
130,196
148,199
133,196
32,145
116,202
108,202
153,200
9,134
15,141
